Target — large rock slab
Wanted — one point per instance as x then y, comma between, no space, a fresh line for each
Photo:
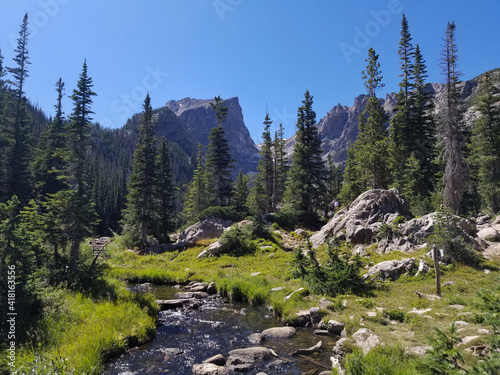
359,221
390,269
205,229
365,339
489,234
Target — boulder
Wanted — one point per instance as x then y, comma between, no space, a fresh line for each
358,221
204,229
278,332
212,250
335,327
423,267
365,339
218,360
212,288
489,234
256,353
209,369
390,269
417,230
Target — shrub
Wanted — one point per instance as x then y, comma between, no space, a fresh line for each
237,241
449,237
395,314
338,276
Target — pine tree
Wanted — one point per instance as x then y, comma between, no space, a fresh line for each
401,135
263,188
138,218
333,180
485,145
80,210
50,165
241,192
165,194
5,136
367,163
219,164
305,186
423,141
19,175
280,166
456,174
197,198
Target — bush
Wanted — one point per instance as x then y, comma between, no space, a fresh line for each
338,276
449,237
237,241
290,219
395,314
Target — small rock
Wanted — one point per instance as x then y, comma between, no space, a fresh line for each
483,331
278,289
322,325
315,315
419,351
209,369
338,349
278,332
458,307
371,314
303,319
324,303
255,273
460,323
448,284
255,338
486,271
300,232
255,353
308,351
321,332
419,312
212,288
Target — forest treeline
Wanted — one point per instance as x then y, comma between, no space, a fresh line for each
66,178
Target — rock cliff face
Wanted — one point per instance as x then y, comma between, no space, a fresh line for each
198,118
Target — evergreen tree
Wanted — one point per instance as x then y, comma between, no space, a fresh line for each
219,164
280,166
305,186
456,174
80,210
197,198
138,218
50,165
401,131
263,187
241,192
333,180
423,141
165,194
19,175
366,166
485,145
4,135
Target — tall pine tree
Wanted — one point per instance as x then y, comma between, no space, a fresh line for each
280,166
305,186
367,161
456,173
197,197
138,217
81,211
19,180
165,194
219,164
4,135
400,131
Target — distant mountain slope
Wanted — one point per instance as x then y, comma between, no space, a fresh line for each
339,128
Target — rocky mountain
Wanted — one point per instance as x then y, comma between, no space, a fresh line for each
339,128
188,122
198,118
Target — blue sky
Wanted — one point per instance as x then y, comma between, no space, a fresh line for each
266,52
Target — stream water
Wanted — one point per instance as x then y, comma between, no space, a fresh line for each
186,337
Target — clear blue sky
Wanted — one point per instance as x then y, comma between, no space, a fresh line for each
266,52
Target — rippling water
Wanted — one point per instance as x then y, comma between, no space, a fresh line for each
187,337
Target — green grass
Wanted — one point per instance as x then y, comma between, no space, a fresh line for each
78,333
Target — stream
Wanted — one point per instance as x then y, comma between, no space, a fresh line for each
186,337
